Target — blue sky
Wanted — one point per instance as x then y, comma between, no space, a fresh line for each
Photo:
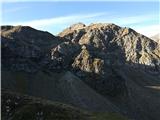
55,16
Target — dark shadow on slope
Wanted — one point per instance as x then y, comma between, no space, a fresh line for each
134,88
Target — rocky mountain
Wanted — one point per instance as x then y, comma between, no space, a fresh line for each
126,44
100,67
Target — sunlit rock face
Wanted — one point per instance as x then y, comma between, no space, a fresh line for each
125,44
85,62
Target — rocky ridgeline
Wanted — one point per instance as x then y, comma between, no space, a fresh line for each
114,45
109,44
91,52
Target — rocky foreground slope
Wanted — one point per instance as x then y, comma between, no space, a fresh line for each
100,67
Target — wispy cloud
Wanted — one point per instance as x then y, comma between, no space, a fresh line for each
149,30
57,24
134,19
61,22
136,22
127,20
16,9
77,0
57,20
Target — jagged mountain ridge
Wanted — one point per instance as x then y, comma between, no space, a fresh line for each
136,48
96,54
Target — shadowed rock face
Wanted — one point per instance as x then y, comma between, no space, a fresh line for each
25,48
114,65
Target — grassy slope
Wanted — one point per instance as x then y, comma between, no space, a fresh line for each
31,108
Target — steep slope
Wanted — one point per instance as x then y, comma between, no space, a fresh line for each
78,93
143,94
64,87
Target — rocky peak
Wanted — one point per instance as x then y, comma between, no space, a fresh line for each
72,29
77,26
101,26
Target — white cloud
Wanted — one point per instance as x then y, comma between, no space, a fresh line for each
137,23
76,0
127,20
10,10
134,19
149,30
57,20
56,24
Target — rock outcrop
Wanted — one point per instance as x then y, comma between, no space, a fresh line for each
64,53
